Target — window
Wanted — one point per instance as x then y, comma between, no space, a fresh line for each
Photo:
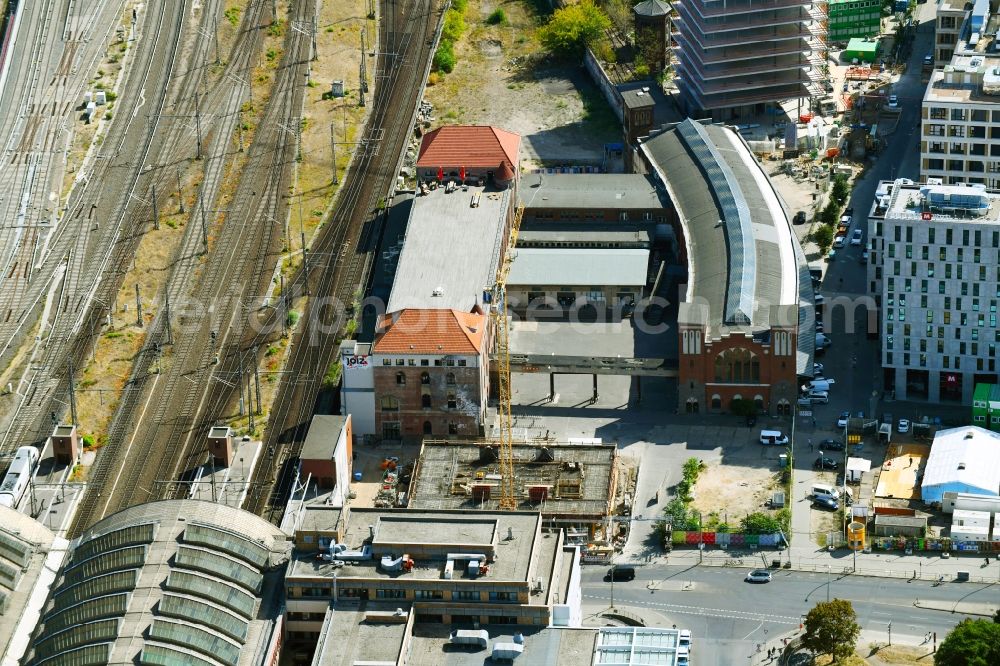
450,363
930,235
737,366
452,402
390,594
452,428
387,361
389,403
450,379
924,252
503,596
465,595
428,594
425,401
425,378
947,317
461,362
401,379
424,362
428,428
400,361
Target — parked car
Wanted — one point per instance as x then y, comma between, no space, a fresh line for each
864,257
818,397
800,217
758,576
842,419
893,102
817,368
826,503
824,463
856,237
620,573
839,242
846,220
831,445
903,426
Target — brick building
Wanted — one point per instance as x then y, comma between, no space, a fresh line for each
746,316
431,373
469,153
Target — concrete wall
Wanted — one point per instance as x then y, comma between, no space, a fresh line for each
604,84
357,392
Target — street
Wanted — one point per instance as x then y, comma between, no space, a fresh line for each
729,617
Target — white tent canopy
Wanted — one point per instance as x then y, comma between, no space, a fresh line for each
964,460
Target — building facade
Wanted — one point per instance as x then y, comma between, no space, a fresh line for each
741,55
948,20
853,18
986,406
933,274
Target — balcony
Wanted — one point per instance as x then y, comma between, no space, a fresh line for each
758,84
754,36
763,65
751,51
746,22
758,96
712,8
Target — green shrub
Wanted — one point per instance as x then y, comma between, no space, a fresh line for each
233,15
454,26
498,17
574,27
293,317
444,58
459,5
824,238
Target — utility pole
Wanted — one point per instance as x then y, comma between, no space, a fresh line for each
72,394
138,307
197,122
180,192
170,334
215,30
242,404
315,51
156,211
204,227
239,126
333,150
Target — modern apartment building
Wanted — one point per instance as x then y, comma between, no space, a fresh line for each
935,255
738,56
853,18
948,22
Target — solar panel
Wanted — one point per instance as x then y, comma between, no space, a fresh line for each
738,229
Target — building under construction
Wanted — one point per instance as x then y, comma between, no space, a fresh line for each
573,485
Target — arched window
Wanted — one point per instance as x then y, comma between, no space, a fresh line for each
450,379
425,378
401,379
758,400
425,401
784,408
737,366
428,429
691,406
389,403
716,401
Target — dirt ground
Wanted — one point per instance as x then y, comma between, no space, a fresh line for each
731,490
503,78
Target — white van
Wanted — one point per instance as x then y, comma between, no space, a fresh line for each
830,492
818,385
775,437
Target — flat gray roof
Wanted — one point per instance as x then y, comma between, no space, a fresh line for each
771,270
581,234
613,191
424,528
324,431
637,99
351,639
429,646
604,267
580,477
451,250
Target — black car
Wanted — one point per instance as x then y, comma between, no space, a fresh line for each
825,463
800,217
826,503
831,445
620,573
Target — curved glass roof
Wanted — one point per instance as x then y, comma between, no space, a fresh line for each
196,638
202,559
131,557
221,592
89,655
195,610
125,536
164,655
227,541
110,605
119,581
77,636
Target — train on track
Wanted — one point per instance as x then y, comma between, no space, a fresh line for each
15,483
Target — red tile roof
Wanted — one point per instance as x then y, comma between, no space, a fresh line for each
473,146
420,331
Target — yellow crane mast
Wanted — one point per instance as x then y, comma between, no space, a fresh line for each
501,329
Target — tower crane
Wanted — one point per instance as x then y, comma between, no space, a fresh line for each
501,324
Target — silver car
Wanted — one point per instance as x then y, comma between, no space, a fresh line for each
758,576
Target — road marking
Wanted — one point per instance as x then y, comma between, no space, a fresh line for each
711,612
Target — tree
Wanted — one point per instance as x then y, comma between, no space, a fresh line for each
841,190
574,27
970,643
830,214
824,238
832,628
759,523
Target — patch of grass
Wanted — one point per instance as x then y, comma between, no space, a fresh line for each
271,351
271,54
232,15
498,17
332,376
76,475
597,112
111,335
293,318
277,28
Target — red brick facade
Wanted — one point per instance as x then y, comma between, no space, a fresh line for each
715,372
429,400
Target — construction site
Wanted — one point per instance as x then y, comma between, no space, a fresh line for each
575,486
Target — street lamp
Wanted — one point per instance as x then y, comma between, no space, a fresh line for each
890,632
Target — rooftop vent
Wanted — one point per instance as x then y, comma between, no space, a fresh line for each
961,465
439,291
970,435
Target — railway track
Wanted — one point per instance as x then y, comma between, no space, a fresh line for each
157,440
347,243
